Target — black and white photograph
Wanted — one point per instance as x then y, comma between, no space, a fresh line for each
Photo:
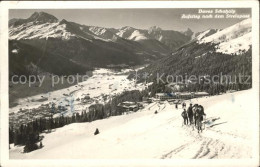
162,83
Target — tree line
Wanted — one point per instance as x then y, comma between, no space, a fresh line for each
200,60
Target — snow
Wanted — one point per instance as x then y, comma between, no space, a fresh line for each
154,29
228,133
31,31
202,35
232,39
15,51
120,33
206,33
236,45
231,32
123,30
103,34
137,36
104,82
98,30
160,38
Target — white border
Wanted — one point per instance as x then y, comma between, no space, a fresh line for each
5,6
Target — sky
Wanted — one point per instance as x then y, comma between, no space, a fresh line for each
167,19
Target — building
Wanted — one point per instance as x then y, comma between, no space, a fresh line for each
165,96
180,95
201,94
127,106
185,95
147,100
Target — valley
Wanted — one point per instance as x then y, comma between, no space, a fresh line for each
100,88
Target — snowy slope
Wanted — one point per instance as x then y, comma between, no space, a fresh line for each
201,35
137,36
103,33
228,134
125,32
232,39
31,31
237,45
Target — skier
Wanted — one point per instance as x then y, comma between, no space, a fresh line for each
176,105
190,114
185,117
183,105
194,109
199,112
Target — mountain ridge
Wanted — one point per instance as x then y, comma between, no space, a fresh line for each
87,46
126,32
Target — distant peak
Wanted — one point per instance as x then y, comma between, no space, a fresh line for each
42,17
127,28
155,28
63,21
188,32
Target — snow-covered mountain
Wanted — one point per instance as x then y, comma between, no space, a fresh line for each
203,34
36,18
40,31
138,35
43,25
103,33
125,32
170,38
86,46
40,25
232,40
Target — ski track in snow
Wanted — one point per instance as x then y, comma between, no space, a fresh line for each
205,146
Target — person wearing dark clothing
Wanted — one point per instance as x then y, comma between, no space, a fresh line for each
199,112
194,109
190,114
185,117
176,106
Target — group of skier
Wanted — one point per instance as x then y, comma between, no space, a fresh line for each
193,115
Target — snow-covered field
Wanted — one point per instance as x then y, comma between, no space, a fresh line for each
229,134
103,83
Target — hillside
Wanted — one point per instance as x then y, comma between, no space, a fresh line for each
137,134
204,34
232,40
214,52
